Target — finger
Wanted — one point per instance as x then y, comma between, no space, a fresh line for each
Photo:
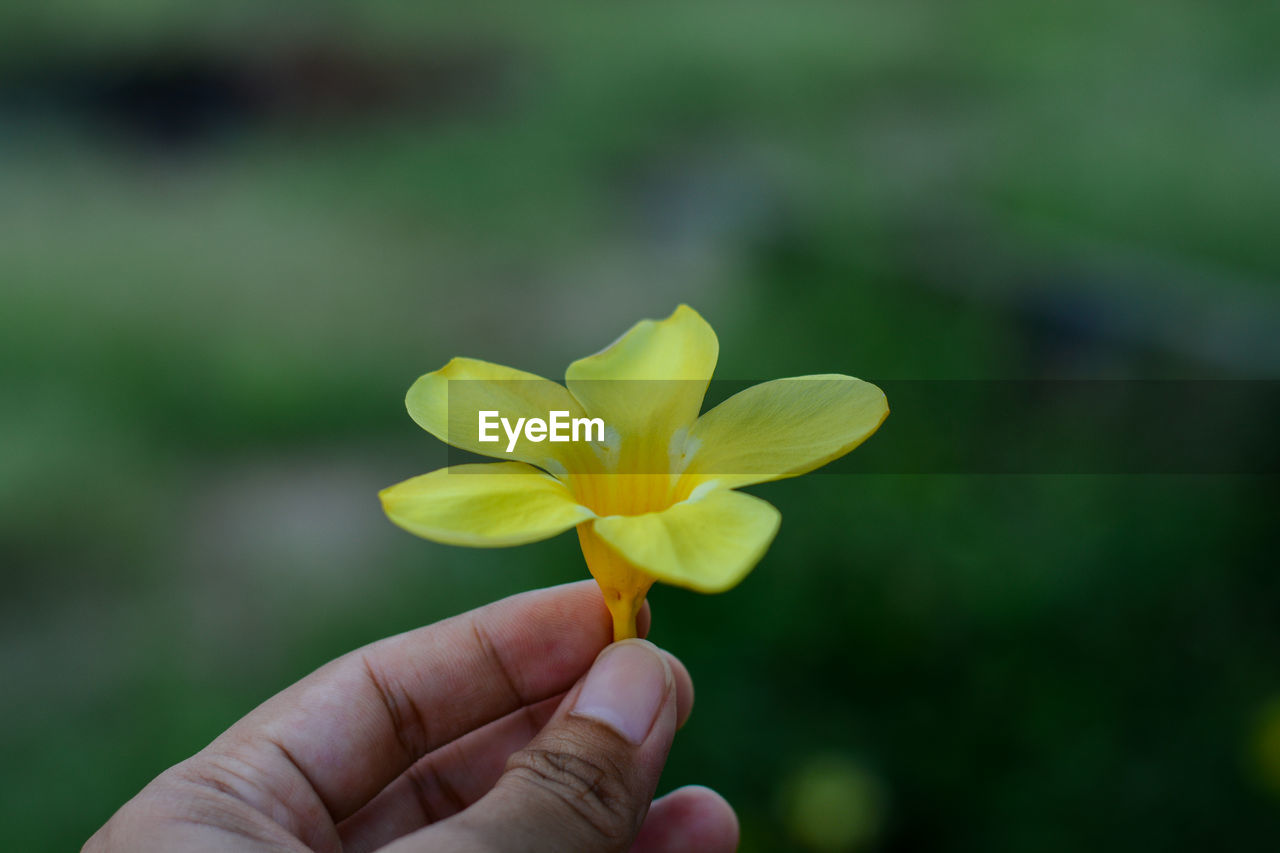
455,776
328,744
585,782
693,819
684,688
444,782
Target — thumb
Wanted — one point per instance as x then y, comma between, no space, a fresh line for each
584,783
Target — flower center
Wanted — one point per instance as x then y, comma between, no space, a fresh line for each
628,494
633,477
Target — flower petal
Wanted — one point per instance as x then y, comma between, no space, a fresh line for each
489,505
784,428
707,543
651,381
447,404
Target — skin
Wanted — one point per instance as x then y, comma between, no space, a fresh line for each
463,735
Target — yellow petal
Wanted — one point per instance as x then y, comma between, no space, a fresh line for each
448,402
650,382
784,428
487,506
707,543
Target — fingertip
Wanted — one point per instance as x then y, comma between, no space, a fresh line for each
684,688
629,688
693,819
587,778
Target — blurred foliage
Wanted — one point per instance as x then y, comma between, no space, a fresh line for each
831,804
232,235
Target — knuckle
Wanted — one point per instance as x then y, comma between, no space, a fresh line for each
404,717
592,789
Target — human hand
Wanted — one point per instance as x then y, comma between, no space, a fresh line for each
491,731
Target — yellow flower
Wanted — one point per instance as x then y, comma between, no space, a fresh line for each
654,500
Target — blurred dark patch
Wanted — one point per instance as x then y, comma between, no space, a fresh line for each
1068,333
1090,308
171,103
189,100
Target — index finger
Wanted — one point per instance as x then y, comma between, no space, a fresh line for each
357,723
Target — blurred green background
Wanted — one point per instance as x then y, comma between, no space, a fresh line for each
231,235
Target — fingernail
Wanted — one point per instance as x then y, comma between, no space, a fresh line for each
625,689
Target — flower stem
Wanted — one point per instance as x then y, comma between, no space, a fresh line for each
623,609
623,585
